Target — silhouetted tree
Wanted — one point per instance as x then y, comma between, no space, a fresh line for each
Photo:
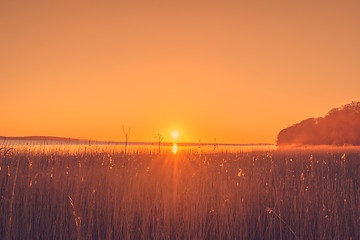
159,139
126,133
215,145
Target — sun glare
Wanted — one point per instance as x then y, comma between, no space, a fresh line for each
175,134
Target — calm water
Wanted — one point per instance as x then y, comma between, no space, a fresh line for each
132,147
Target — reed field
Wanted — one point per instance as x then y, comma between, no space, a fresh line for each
99,193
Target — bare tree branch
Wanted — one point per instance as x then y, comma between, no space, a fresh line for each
159,138
126,133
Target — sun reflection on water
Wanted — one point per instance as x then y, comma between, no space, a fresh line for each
175,148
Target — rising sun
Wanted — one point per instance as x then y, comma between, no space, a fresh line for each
175,134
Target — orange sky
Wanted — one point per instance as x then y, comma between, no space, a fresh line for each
237,71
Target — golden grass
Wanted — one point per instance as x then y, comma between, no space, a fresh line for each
284,194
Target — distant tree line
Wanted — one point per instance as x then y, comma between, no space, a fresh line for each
341,126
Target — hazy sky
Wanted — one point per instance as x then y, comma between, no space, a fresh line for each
237,71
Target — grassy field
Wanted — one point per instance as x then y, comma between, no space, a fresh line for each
104,194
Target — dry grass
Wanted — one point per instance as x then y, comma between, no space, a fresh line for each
304,194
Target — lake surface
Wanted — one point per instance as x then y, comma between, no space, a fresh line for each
37,145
